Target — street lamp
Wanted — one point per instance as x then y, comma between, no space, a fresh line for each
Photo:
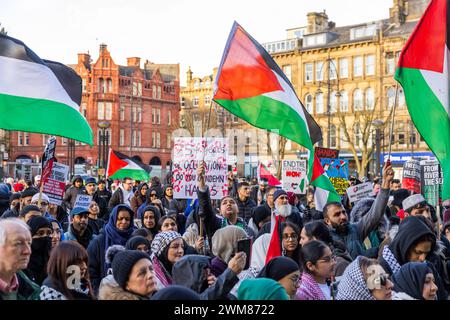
103,144
330,65
378,125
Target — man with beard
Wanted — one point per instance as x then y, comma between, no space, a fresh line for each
79,230
353,234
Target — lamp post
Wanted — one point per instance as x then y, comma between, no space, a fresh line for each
378,124
103,144
71,156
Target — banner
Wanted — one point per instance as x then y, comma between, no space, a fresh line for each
48,158
360,191
431,177
83,201
294,176
187,154
411,175
326,153
337,172
55,183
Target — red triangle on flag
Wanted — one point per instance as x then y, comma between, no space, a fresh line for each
265,173
115,163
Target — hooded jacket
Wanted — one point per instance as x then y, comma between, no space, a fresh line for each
245,208
70,196
138,199
110,290
189,272
28,290
171,204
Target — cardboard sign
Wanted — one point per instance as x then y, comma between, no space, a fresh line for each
431,177
54,184
83,201
360,191
188,153
411,175
294,176
326,153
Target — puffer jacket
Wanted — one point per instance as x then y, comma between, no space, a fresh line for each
110,290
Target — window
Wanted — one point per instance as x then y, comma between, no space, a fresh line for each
196,84
390,63
401,98
234,119
139,114
357,100
333,102
357,66
158,116
314,40
401,134
370,99
27,139
169,140
101,85
83,109
390,93
363,32
343,102
309,103
159,92
332,134
207,83
83,84
137,89
287,71
309,72
139,138
122,113
183,102
133,138
110,85
169,118
207,100
319,103
343,68
121,137
108,111
63,141
156,139
358,135
195,102
45,138
153,116
370,65
412,134
319,71
101,110
20,138
154,91
105,63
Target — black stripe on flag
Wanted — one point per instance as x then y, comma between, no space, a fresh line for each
13,48
68,78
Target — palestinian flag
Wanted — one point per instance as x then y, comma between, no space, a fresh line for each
250,85
263,172
325,191
423,72
120,166
38,95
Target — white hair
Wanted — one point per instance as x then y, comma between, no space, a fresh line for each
7,224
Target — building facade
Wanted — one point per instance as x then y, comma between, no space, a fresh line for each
133,107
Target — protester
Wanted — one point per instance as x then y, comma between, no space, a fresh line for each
5,195
28,212
395,185
167,248
169,203
57,235
139,197
80,230
155,184
414,281
25,200
70,196
416,205
285,271
175,292
147,218
259,252
396,204
68,257
15,252
14,206
103,193
43,205
364,279
261,289
122,195
138,243
290,235
261,215
244,202
143,233
258,192
94,221
90,189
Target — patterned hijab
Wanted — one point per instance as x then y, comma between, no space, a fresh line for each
352,285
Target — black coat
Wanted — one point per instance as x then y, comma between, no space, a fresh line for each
96,254
245,208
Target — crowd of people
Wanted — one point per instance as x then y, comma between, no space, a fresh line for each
135,241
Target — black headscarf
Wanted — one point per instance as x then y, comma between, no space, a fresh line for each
410,230
278,268
40,250
135,241
157,214
410,279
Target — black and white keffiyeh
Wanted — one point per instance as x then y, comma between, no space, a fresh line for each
162,240
389,257
352,285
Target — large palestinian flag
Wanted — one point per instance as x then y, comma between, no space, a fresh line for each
38,95
250,85
423,72
263,172
120,166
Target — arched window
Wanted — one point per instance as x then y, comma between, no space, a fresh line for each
401,98
344,101
309,103
155,161
390,95
370,99
319,103
357,100
101,84
110,85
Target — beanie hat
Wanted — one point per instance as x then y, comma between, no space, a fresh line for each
38,222
78,210
111,253
90,180
162,240
278,193
29,192
43,198
260,213
446,219
123,262
400,195
14,196
29,208
413,200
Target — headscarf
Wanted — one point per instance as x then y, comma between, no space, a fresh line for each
138,191
261,289
352,285
160,250
175,292
224,242
135,241
40,250
278,268
410,279
112,234
141,211
189,272
163,240
259,251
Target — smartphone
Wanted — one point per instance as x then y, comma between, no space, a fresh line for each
245,245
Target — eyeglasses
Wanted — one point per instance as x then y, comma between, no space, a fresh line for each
293,236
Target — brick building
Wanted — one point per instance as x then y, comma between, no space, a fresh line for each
138,104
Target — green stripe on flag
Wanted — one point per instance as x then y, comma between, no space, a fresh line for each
43,116
141,175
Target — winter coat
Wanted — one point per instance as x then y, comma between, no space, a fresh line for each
110,290
28,290
5,194
104,194
189,271
359,231
96,225
117,198
84,240
70,196
172,204
245,208
138,199
50,292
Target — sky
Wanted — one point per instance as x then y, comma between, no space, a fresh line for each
192,33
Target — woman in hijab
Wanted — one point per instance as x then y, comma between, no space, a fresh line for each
41,245
283,270
414,281
116,232
259,252
138,243
167,248
148,218
261,289
139,196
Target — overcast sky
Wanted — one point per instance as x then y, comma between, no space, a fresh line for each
192,33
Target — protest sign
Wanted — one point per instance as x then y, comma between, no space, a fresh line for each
431,177
411,175
188,153
337,172
294,176
360,191
48,157
83,201
54,184
326,153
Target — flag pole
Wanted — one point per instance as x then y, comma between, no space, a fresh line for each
391,129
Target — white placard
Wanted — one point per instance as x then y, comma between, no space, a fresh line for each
294,176
360,191
83,201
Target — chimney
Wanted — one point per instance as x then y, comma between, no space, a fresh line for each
317,22
189,76
84,58
134,62
103,48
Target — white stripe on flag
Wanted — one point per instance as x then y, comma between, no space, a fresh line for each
320,198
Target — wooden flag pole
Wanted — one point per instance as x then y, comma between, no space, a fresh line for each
391,129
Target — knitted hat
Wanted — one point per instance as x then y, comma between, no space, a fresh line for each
43,198
399,195
78,210
278,193
29,192
411,201
123,262
14,196
90,180
29,208
162,240
260,213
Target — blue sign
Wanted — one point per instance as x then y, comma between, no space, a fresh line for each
402,157
335,168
